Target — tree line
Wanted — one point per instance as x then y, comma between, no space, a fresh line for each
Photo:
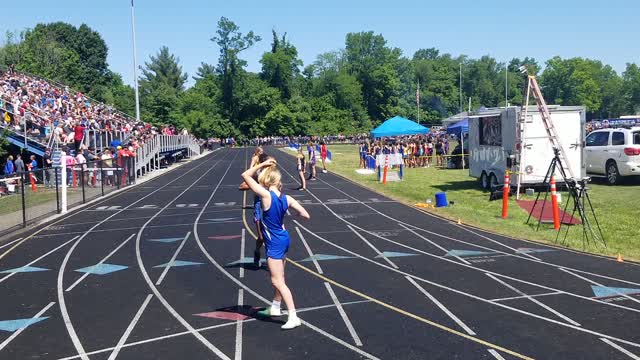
344,91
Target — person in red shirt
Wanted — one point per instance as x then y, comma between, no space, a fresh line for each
323,156
78,135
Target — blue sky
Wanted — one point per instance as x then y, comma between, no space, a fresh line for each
603,30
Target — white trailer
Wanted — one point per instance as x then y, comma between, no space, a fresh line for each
492,144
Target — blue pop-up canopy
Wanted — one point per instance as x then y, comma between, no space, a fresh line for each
397,126
459,128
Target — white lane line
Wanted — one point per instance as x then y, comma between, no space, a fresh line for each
332,294
496,354
306,245
528,256
442,307
260,297
202,329
137,228
421,289
127,332
155,290
475,297
11,242
432,243
455,262
535,301
239,327
343,315
372,247
19,331
527,296
499,243
598,284
242,240
38,259
63,306
470,266
621,349
100,263
61,302
173,258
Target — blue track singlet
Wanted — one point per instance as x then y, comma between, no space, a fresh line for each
275,236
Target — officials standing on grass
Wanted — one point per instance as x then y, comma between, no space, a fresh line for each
274,206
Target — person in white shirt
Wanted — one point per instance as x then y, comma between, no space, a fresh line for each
82,161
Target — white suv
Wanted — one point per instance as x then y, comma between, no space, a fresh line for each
614,153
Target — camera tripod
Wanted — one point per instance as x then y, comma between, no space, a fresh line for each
578,191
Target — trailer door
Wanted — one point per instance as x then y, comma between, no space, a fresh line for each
539,152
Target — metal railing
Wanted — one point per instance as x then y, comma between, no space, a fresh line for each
33,195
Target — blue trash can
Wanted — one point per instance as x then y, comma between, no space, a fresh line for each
441,199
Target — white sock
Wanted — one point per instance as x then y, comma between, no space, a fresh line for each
275,304
292,314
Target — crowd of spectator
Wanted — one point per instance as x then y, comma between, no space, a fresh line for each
611,123
47,110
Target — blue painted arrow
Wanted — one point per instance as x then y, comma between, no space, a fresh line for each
23,269
246,260
102,269
605,291
178,263
469,253
394,254
321,257
167,240
13,325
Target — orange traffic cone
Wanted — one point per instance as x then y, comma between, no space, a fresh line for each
619,258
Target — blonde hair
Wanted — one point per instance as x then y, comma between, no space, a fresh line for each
300,153
258,151
269,177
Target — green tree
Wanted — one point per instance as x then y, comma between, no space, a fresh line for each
631,89
374,65
161,84
205,70
231,68
586,82
281,65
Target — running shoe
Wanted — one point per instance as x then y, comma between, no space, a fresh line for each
269,312
324,171
291,323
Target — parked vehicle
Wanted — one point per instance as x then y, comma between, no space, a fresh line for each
614,153
492,144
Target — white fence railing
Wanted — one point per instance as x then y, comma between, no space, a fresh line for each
149,155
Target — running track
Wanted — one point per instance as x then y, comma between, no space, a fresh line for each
158,272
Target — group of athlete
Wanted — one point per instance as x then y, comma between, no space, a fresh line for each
416,151
311,151
270,206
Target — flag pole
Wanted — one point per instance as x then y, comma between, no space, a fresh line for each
418,100
135,64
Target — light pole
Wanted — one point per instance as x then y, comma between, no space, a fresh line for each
135,64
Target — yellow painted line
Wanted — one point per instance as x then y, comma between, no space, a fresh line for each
389,306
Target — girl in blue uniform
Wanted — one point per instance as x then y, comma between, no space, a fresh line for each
274,206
